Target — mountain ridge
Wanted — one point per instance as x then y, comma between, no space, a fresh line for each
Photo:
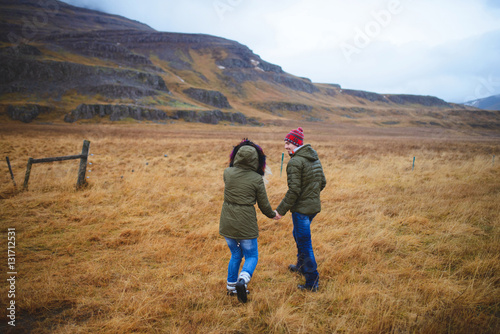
107,59
487,103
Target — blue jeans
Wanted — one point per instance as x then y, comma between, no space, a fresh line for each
305,254
247,248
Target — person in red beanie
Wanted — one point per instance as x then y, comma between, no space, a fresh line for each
306,180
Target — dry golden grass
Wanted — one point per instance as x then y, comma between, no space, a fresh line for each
399,251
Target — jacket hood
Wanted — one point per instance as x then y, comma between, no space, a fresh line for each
307,152
247,158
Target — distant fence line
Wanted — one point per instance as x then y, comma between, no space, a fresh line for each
81,181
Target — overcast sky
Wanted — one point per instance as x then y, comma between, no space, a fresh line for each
445,48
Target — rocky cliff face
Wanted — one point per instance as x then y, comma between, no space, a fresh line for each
85,64
118,112
214,117
33,74
22,21
210,97
111,57
428,101
402,99
276,107
115,112
373,97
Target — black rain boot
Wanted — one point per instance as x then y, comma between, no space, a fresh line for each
241,290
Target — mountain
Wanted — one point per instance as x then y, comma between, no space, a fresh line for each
487,103
60,63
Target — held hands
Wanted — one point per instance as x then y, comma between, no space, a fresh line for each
278,216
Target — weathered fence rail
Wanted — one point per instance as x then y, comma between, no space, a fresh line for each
81,170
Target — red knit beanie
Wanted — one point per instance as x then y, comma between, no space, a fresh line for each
296,137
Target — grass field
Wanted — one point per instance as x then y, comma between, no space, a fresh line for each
138,249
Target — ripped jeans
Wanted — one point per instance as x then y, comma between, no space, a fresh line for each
244,248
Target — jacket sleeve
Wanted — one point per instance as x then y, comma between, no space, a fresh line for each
294,180
263,201
323,179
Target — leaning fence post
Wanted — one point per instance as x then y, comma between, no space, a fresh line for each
28,172
10,170
83,164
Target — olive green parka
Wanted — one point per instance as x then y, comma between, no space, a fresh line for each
306,180
243,188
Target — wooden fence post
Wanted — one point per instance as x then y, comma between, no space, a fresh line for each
28,172
10,170
83,164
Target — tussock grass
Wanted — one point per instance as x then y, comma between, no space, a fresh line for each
138,249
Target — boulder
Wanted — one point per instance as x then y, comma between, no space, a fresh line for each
26,113
210,97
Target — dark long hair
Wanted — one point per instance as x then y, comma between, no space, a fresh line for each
262,157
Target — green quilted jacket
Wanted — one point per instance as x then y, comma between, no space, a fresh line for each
306,180
243,188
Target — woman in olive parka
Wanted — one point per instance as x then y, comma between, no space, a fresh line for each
244,186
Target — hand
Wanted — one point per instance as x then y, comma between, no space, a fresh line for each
278,216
